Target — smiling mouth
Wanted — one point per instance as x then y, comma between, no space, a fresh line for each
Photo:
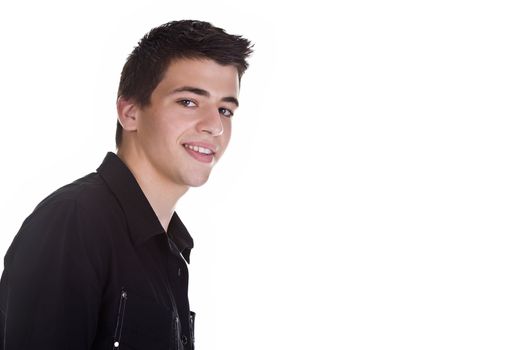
202,150
202,154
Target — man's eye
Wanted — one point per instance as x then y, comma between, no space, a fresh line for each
187,103
226,112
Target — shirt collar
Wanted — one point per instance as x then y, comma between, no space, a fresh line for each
142,220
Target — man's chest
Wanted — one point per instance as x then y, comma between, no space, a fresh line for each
145,303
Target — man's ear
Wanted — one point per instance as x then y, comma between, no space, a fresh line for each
127,113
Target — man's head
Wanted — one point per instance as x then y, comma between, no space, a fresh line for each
186,39
177,94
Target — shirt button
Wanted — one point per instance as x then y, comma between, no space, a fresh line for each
184,340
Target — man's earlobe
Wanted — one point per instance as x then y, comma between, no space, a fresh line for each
127,114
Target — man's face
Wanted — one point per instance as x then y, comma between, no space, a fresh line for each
186,127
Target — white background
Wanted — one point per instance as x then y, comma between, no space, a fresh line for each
373,193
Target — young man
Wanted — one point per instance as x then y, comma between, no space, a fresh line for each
101,262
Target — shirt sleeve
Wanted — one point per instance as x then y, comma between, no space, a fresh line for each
51,289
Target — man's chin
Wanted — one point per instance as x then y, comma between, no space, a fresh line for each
198,182
197,185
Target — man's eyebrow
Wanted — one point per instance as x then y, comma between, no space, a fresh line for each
202,92
231,99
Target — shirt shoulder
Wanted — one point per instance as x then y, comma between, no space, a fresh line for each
80,217
89,199
88,191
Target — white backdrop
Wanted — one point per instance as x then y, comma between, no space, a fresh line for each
372,196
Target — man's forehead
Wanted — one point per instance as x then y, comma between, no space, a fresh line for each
202,73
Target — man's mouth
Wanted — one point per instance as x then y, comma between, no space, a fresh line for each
199,149
200,152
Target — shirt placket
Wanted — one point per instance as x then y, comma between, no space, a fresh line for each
178,278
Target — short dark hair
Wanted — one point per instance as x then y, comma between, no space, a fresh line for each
149,60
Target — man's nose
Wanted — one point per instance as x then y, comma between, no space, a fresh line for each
211,122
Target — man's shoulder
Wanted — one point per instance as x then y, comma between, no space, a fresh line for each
88,191
87,203
76,221
81,213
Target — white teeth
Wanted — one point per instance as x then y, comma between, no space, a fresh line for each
199,149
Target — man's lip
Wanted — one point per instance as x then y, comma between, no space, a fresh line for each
209,146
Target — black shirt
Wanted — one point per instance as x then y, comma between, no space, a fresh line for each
93,268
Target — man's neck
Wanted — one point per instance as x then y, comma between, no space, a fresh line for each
162,194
